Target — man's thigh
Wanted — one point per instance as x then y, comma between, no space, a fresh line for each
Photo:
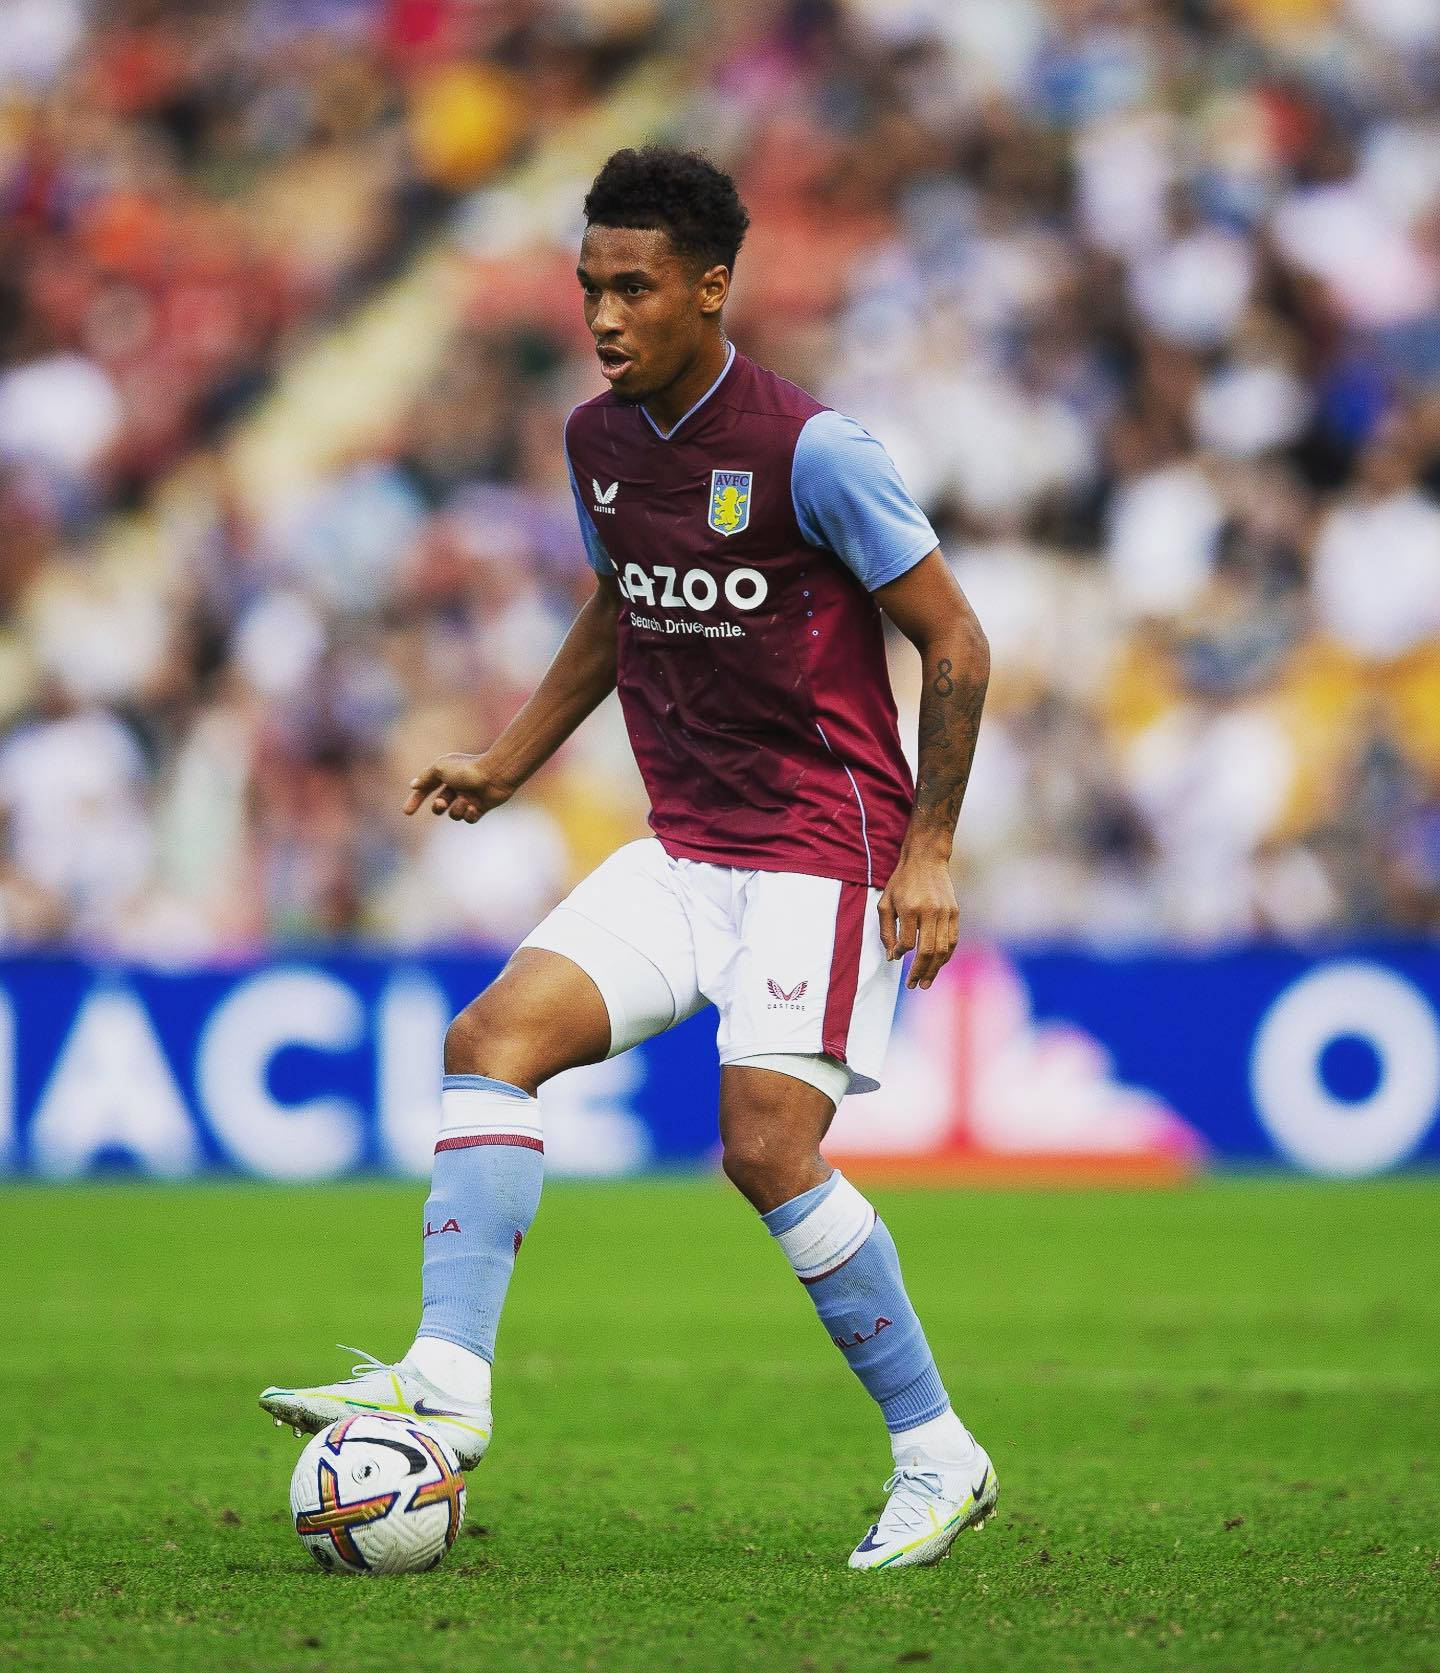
626,927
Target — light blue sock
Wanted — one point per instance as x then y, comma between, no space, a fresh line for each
484,1191
843,1254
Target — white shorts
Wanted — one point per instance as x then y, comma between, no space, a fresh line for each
793,964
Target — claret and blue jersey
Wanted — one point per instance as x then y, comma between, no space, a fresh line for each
745,543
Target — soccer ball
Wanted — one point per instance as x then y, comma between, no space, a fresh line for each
377,1495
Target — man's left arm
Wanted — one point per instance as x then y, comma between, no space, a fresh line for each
918,909
849,500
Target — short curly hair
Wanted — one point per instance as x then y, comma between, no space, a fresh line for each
678,192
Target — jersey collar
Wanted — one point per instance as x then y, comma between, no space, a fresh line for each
665,435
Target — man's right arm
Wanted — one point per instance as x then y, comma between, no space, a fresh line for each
576,683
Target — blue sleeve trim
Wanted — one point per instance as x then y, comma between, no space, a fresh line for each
903,566
595,551
849,500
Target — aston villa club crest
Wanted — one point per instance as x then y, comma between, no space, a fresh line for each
729,501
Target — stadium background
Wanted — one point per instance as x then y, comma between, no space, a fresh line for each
1145,300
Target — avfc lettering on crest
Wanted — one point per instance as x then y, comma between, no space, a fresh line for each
729,501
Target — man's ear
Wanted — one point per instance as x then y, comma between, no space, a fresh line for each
714,288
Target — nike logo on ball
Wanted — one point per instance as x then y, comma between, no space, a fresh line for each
412,1454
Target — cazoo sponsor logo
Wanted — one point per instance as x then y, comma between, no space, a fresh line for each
662,588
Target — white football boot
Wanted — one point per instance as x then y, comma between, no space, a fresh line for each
927,1510
373,1386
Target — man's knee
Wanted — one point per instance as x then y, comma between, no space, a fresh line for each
749,1162
541,1015
772,1140
490,1038
767,1172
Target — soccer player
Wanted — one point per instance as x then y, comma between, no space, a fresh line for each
745,541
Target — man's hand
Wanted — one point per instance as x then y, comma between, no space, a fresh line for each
464,786
918,910
581,677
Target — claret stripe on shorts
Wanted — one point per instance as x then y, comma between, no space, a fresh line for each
844,969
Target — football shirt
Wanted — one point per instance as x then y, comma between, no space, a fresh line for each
746,542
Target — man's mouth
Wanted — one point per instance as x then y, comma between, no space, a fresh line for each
614,363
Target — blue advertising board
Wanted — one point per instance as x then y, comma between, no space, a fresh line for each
305,1068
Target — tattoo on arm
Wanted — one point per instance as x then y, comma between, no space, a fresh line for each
949,722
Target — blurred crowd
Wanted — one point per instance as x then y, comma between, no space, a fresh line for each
1142,295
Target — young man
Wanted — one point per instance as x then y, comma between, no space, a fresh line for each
742,537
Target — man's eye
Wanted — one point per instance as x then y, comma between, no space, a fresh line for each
634,290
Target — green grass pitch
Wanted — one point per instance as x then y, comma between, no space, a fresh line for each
1215,1414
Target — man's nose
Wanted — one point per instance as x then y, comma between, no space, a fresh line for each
603,319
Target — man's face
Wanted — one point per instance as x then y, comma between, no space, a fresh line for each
648,307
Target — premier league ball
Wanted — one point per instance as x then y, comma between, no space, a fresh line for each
377,1495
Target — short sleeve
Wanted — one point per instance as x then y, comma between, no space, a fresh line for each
594,547
850,500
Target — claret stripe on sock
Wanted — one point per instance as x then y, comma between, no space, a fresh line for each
467,1141
830,1271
